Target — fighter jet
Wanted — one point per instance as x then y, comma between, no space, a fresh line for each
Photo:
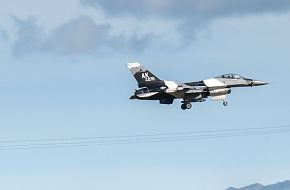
150,87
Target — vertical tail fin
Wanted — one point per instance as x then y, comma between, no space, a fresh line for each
143,76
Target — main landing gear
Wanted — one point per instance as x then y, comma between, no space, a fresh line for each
186,105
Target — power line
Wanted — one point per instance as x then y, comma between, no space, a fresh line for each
153,138
139,139
146,135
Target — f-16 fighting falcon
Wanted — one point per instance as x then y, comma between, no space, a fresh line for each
151,87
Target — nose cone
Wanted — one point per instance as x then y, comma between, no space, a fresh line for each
258,83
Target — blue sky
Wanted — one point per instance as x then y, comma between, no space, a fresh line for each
63,74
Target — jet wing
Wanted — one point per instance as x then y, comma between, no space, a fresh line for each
194,91
193,94
187,89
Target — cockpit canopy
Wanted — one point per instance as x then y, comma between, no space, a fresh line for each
231,76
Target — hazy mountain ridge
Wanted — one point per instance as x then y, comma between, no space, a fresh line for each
278,186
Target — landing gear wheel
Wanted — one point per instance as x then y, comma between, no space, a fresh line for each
188,105
225,103
183,106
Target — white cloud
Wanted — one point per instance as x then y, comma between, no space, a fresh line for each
3,34
188,8
78,36
192,14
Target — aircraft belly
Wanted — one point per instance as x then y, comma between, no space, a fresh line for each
177,94
181,95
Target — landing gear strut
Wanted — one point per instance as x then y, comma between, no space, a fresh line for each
225,103
186,105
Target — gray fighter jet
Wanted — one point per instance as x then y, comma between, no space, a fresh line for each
151,87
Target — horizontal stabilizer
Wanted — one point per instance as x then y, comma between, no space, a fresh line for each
146,95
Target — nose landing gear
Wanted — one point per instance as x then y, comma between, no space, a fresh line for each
225,103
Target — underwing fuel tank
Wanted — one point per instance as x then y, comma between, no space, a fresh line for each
219,92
